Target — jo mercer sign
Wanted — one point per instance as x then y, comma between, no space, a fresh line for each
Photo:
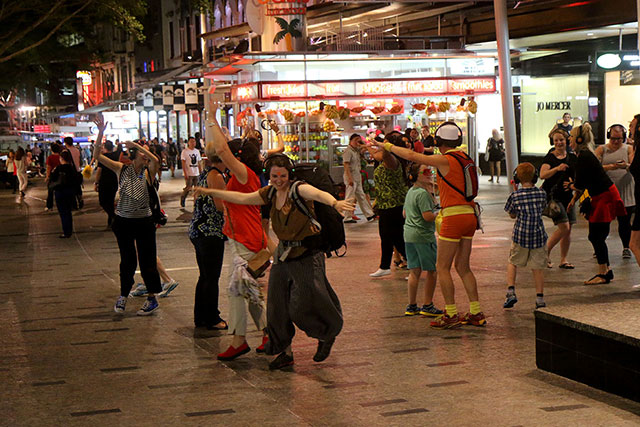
383,88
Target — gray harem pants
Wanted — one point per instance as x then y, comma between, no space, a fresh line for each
300,294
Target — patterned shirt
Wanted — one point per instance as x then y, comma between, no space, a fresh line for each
207,221
527,204
134,194
391,187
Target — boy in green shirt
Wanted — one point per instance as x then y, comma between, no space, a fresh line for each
420,240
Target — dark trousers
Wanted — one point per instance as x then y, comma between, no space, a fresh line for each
598,232
624,226
299,293
13,179
391,230
64,201
140,233
49,198
106,198
209,255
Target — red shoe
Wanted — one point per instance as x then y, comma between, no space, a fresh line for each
233,352
355,218
474,319
446,322
261,348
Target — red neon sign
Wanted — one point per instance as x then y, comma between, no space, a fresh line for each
475,85
284,90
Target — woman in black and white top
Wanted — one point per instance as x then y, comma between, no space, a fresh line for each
133,225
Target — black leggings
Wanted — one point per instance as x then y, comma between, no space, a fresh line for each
391,229
624,226
598,232
139,233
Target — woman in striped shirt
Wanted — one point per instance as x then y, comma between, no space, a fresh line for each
133,225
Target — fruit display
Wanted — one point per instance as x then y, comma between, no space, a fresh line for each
288,115
344,113
444,106
473,106
329,125
291,138
331,112
432,109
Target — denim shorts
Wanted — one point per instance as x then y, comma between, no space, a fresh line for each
565,216
421,255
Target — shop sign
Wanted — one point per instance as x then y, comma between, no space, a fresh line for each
244,93
334,89
379,88
557,105
85,76
618,60
284,7
474,85
629,78
284,90
41,128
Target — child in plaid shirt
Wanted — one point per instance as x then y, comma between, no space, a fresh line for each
529,236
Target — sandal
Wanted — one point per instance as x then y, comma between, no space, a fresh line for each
605,279
566,266
219,328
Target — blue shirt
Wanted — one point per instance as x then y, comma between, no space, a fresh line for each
527,204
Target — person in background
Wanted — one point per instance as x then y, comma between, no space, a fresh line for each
205,233
191,168
65,180
558,167
615,157
75,154
133,225
172,155
529,237
495,148
427,140
52,162
605,204
168,283
158,150
391,189
351,160
414,140
419,239
634,168
20,161
11,170
106,183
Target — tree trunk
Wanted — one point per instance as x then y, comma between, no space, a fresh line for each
289,42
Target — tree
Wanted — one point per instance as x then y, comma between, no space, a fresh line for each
289,31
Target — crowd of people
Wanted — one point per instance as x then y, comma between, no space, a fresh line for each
241,192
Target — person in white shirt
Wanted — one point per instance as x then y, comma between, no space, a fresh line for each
191,168
353,179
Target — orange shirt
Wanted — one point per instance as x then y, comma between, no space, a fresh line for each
242,223
449,196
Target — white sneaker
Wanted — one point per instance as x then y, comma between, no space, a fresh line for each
167,288
121,304
380,272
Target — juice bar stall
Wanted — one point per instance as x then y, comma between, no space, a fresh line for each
317,117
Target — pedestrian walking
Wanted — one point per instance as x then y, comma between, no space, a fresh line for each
191,168
495,152
351,160
20,162
64,182
53,160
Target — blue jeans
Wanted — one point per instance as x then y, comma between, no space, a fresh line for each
65,198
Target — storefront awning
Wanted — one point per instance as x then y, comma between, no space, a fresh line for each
101,107
170,75
232,31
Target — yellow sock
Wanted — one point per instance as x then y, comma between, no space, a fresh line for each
451,310
474,307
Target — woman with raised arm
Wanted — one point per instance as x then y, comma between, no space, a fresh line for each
299,292
243,227
133,225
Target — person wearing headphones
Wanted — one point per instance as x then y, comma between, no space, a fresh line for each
615,157
299,292
529,237
459,223
605,202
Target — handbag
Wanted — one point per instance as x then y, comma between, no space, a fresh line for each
553,209
260,261
157,213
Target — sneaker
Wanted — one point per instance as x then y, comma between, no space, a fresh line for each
430,311
139,291
626,253
380,272
121,304
355,218
282,361
167,288
232,352
47,209
411,310
149,306
474,319
371,218
182,199
541,304
510,301
350,221
446,322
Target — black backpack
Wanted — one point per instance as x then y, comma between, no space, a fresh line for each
331,237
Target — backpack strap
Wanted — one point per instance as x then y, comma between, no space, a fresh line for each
298,201
447,181
271,193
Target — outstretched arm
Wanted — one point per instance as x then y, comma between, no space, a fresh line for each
280,147
222,148
437,160
309,192
97,148
231,196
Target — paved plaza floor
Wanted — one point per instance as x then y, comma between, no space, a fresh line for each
67,359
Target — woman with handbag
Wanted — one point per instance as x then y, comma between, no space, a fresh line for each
299,292
134,225
558,167
247,240
495,148
63,182
604,203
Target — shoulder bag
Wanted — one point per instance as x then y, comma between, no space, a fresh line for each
260,261
157,213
